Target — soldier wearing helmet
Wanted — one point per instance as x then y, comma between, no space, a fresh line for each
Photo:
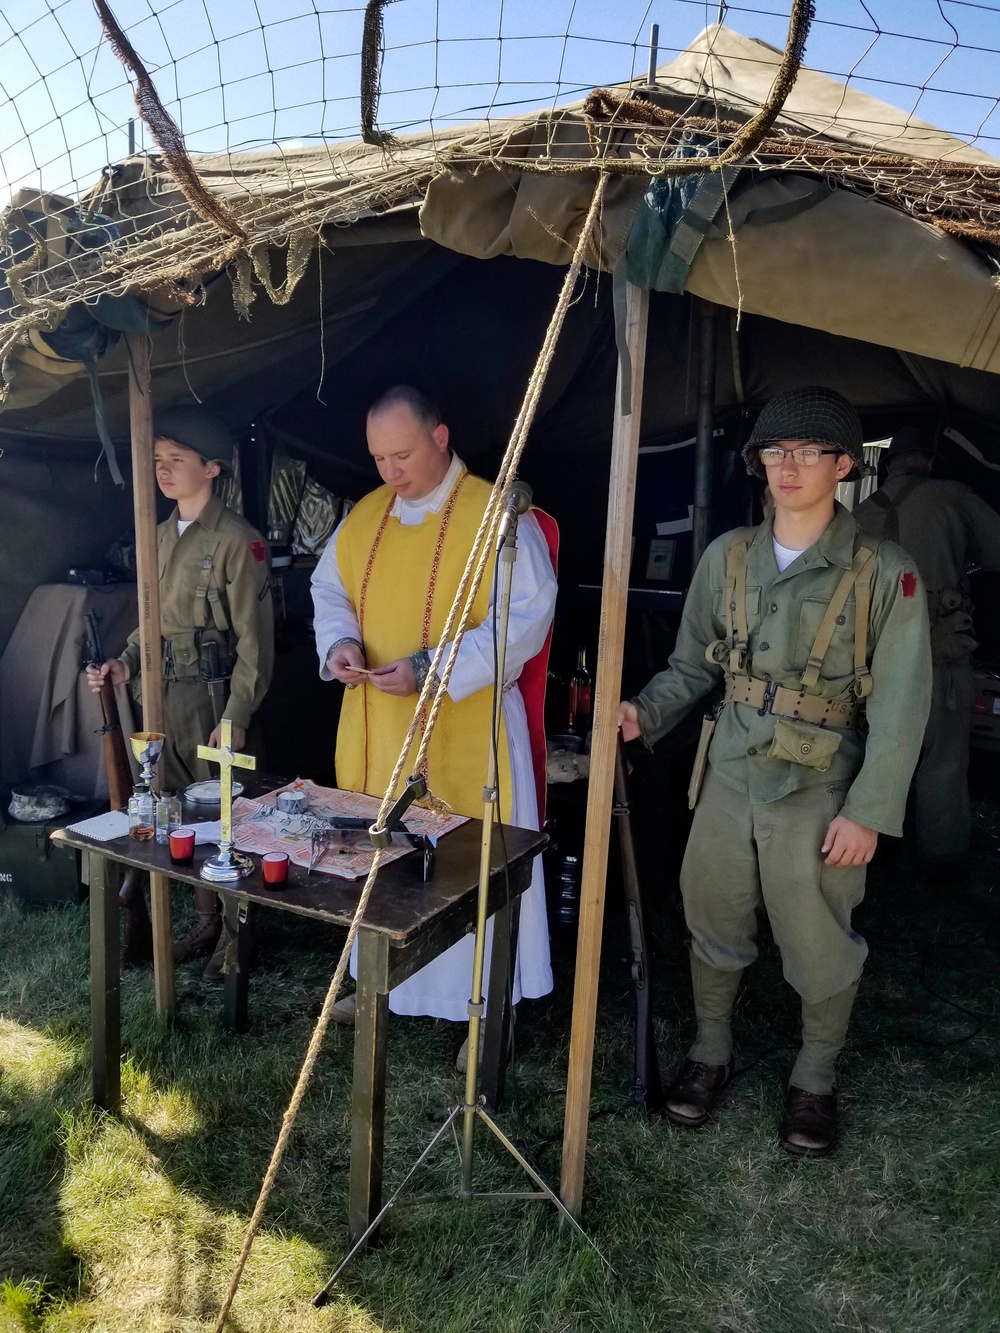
818,640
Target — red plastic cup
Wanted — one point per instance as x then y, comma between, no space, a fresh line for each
275,867
181,845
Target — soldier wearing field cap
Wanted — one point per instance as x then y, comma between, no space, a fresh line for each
945,527
817,640
214,590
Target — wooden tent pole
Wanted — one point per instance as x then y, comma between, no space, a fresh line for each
140,405
707,335
614,603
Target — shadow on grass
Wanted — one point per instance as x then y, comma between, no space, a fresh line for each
716,1230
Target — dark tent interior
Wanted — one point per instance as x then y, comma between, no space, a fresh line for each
381,306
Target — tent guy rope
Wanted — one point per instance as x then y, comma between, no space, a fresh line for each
458,620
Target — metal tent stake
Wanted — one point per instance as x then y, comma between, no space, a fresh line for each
472,1109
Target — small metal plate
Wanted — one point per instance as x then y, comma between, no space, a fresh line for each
209,792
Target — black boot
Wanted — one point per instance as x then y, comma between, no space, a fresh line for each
137,933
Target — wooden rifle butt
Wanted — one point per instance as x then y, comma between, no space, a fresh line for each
116,762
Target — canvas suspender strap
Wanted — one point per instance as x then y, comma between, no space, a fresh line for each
810,676
859,577
737,638
736,641
207,594
891,506
862,609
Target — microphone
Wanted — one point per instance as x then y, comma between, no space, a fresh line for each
518,502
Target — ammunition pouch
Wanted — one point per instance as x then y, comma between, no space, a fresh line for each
184,655
952,639
802,743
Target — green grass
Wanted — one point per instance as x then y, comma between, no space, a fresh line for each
134,1223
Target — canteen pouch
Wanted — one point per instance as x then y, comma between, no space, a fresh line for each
802,743
701,758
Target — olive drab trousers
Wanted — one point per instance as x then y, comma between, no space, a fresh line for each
189,720
742,859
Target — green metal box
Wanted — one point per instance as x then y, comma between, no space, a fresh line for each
36,871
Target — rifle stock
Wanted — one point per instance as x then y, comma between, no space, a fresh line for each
647,1088
115,754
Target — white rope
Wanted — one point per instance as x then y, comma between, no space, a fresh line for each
457,623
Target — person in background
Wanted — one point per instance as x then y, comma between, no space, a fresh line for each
214,588
945,527
819,641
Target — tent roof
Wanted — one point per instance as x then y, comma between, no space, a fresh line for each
851,266
720,66
737,72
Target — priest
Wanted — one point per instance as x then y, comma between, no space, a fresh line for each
382,592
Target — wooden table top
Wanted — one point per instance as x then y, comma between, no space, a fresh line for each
402,905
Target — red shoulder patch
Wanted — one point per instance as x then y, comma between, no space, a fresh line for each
260,553
908,582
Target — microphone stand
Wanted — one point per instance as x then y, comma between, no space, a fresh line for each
472,1109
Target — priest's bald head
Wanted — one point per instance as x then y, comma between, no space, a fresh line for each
408,441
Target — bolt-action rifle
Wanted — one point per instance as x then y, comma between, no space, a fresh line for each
646,1089
115,754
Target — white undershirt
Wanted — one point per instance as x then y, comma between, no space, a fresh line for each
182,525
784,555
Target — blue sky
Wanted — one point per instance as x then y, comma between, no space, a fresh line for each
239,73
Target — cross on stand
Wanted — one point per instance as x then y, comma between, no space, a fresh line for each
229,864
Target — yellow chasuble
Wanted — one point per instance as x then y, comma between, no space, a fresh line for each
402,581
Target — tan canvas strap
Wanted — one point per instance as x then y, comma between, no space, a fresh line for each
810,676
739,629
862,608
768,697
733,650
206,595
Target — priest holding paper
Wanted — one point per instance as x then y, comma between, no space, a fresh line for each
382,592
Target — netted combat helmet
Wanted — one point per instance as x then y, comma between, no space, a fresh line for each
821,416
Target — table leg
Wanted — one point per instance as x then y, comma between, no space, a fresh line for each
237,922
499,1016
163,945
105,985
371,1032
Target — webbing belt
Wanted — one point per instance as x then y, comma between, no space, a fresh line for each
768,697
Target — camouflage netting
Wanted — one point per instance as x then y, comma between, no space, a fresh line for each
157,226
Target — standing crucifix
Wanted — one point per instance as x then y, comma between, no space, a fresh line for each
229,864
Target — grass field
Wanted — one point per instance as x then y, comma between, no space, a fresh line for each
134,1223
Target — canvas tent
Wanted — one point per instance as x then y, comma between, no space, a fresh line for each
439,263
394,226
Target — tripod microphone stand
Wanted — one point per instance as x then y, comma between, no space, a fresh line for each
472,1111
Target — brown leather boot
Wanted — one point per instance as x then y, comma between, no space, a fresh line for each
201,938
137,931
809,1128
695,1090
